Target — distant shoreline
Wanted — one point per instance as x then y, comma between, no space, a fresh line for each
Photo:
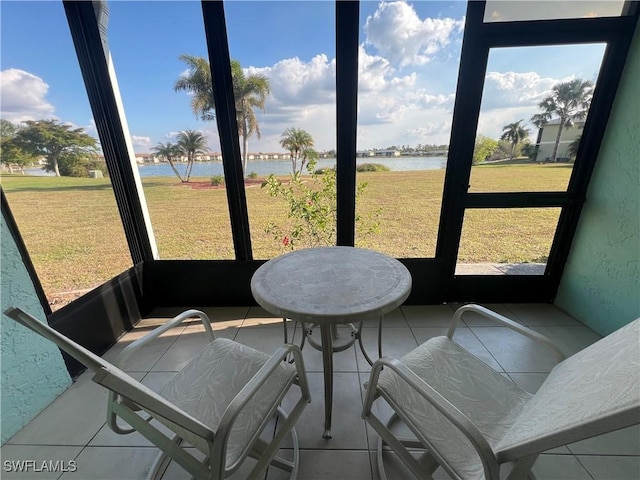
283,167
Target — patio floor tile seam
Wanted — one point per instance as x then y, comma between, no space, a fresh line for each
504,369
621,455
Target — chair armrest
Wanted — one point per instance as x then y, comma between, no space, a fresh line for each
156,332
504,321
426,391
251,388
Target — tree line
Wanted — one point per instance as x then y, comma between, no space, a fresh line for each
72,152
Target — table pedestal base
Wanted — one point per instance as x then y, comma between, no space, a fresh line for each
328,332
327,366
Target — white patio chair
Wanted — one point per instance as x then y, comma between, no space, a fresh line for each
219,403
477,424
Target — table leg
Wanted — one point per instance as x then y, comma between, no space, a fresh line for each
359,337
286,331
327,365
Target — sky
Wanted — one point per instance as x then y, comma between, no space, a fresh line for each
409,57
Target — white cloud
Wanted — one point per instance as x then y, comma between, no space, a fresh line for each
318,120
430,128
140,142
295,83
508,89
492,122
391,108
511,96
22,96
302,96
90,128
373,70
387,98
416,125
213,141
397,33
375,74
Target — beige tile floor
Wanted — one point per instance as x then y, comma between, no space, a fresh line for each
73,426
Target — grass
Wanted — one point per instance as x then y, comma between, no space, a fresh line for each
73,232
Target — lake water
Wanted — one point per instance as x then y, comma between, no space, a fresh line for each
279,167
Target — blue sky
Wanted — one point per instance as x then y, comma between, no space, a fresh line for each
409,57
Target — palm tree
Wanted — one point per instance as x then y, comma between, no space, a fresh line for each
569,101
250,91
191,143
572,149
169,151
514,133
299,143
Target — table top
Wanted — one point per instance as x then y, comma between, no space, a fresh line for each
333,284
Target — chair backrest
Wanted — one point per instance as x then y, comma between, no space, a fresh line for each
595,391
112,377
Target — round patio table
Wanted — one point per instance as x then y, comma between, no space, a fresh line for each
329,286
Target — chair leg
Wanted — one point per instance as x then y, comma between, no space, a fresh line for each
421,469
159,466
260,447
268,450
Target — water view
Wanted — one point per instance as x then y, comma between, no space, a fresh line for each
283,167
277,167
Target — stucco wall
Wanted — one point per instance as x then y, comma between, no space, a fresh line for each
32,370
601,283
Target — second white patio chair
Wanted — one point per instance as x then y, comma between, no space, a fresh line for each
219,403
477,424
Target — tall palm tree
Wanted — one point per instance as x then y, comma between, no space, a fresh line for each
191,143
250,91
569,101
169,151
514,133
299,143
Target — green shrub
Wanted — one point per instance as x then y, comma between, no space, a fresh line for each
217,180
323,170
372,167
252,175
312,209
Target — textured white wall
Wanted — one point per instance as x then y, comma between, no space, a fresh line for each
32,369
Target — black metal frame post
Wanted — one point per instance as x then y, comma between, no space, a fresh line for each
220,63
473,63
347,28
94,66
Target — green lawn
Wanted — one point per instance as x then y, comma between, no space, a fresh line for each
72,228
